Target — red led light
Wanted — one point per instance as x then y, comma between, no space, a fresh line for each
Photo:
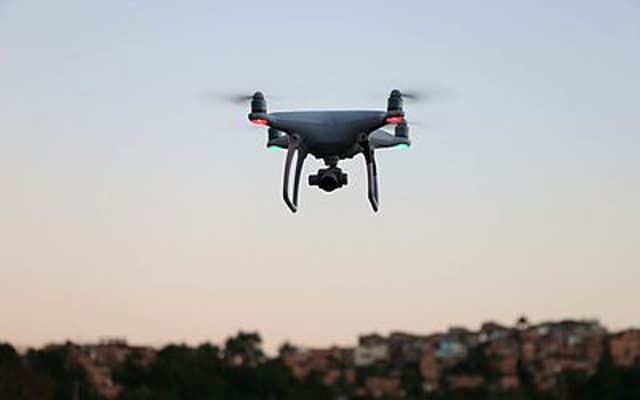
394,119
260,121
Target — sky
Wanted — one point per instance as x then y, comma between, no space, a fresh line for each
130,207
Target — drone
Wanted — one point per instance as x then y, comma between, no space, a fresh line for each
331,136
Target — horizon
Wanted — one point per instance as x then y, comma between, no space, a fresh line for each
131,207
271,352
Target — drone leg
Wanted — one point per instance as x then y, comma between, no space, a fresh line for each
372,175
296,180
375,177
293,146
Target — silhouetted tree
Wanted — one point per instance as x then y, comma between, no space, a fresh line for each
244,349
56,363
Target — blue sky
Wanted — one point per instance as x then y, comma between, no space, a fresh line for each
131,207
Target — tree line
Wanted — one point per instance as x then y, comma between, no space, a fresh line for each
241,371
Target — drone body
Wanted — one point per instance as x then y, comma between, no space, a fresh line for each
331,136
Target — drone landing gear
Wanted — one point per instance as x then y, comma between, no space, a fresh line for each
372,174
294,146
328,179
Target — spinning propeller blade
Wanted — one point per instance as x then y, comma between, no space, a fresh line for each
230,98
237,98
429,94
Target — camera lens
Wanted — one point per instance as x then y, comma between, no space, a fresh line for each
329,182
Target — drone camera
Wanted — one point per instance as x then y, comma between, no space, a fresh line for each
328,179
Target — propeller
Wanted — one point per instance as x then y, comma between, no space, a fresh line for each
235,98
430,94
414,95
426,94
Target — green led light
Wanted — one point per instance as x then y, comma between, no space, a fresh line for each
402,145
273,148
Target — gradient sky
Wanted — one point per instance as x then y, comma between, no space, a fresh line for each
130,207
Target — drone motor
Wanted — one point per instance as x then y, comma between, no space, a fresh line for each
258,113
394,102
